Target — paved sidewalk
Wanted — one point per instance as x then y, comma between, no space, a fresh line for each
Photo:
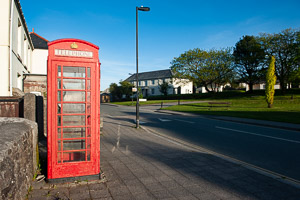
141,165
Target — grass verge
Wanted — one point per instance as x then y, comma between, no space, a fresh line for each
133,103
284,108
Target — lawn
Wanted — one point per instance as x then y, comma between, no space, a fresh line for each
284,108
132,103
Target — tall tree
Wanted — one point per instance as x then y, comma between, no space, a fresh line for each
285,47
249,58
210,69
270,82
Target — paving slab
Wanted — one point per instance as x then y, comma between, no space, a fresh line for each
137,164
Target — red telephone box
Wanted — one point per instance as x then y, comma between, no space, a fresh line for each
73,109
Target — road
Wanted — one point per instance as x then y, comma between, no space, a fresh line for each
274,149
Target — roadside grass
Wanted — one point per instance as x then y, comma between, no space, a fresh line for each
284,108
133,103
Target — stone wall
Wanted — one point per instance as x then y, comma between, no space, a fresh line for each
38,83
18,141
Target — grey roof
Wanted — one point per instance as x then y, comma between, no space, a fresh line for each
167,73
38,41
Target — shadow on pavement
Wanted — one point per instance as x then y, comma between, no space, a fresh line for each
167,161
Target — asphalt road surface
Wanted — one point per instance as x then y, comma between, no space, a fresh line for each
273,149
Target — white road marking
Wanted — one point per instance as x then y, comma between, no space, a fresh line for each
169,120
277,138
184,121
164,120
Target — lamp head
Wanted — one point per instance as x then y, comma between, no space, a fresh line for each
144,8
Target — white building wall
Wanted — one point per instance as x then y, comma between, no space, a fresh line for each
261,86
203,90
39,61
15,57
185,85
4,71
4,47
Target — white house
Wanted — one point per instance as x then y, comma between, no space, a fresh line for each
212,87
149,83
40,54
259,86
15,47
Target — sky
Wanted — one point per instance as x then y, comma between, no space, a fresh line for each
170,28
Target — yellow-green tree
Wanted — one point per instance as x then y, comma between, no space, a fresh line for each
270,82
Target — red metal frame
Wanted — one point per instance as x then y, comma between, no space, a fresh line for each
64,162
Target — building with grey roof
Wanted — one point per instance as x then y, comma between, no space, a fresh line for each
40,54
149,83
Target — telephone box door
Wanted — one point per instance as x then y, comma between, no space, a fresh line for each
73,112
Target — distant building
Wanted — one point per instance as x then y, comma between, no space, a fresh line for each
40,54
212,87
149,83
105,97
260,86
15,47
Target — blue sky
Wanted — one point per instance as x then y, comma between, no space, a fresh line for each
169,29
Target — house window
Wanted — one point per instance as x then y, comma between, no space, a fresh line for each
153,82
19,80
25,51
29,56
146,83
140,83
19,37
152,91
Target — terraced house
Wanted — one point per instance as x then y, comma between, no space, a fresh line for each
15,47
21,53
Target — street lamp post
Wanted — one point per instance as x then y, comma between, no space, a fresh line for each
137,66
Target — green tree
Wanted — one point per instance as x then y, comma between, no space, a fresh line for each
285,47
295,75
115,91
210,69
140,93
270,82
164,87
126,88
249,57
295,78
